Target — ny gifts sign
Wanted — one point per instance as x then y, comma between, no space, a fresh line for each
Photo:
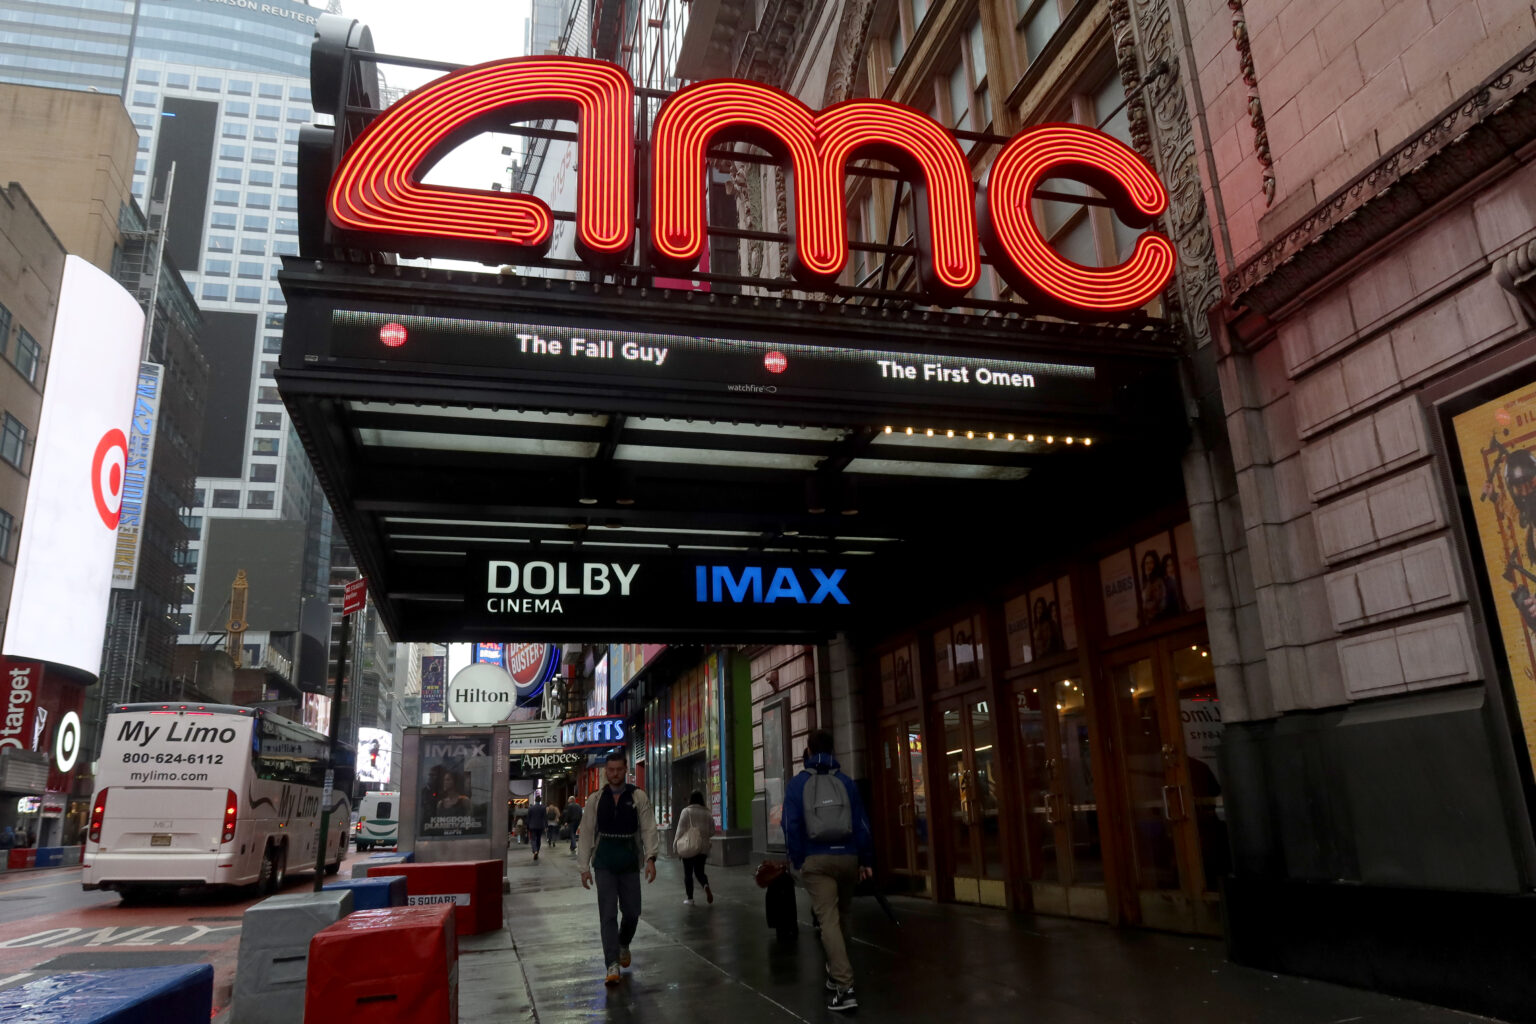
377,192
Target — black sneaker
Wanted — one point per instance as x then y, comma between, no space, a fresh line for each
842,999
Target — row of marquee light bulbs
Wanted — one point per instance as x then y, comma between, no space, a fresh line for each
991,435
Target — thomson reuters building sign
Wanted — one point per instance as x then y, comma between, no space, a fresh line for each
377,191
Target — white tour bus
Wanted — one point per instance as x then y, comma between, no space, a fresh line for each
209,794
378,819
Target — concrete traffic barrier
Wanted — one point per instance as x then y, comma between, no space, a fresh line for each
405,856
374,893
133,995
274,953
394,966
361,868
18,859
472,886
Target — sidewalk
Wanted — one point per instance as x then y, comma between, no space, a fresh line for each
944,963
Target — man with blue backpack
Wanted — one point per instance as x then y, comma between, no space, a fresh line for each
827,834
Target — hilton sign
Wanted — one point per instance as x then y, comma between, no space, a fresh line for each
377,194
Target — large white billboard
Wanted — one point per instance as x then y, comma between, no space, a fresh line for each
64,562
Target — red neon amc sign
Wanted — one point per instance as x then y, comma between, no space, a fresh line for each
377,190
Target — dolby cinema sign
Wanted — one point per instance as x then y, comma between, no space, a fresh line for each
631,594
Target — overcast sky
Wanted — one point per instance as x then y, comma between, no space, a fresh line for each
461,31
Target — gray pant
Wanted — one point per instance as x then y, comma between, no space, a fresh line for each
617,891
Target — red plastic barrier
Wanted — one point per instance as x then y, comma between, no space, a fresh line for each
21,859
399,964
472,886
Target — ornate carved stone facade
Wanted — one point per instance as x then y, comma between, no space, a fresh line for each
1465,141
1255,107
1146,37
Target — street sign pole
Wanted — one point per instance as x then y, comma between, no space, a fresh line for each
354,598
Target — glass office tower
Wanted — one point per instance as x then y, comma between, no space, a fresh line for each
219,89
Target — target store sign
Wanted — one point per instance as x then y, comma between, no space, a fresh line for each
79,470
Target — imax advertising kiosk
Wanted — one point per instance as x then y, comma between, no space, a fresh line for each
453,796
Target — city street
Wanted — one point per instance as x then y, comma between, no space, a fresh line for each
49,924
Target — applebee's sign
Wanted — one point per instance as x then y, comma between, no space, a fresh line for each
377,193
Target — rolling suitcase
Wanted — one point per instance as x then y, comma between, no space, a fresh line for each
779,902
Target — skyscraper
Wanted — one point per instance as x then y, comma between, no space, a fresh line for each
218,90
546,21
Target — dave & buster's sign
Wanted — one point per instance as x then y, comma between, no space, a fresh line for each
377,195
629,593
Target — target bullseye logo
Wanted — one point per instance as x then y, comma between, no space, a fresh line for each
775,362
108,467
66,742
392,334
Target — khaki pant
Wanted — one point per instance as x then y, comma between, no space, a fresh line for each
830,880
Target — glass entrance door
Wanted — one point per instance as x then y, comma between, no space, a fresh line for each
905,799
1169,721
1063,848
975,841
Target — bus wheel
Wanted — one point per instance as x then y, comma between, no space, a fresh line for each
271,877
281,875
331,869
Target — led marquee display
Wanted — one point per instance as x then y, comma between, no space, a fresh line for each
756,371
377,191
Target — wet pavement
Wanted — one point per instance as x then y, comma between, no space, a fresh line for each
943,962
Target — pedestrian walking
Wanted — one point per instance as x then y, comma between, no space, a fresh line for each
538,821
829,841
619,838
695,828
572,816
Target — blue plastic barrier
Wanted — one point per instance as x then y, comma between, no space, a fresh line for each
360,868
134,995
49,857
377,893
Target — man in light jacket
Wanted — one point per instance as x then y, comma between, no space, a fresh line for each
619,838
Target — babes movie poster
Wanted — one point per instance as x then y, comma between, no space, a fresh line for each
1497,445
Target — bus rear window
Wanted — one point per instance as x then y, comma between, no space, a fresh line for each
384,808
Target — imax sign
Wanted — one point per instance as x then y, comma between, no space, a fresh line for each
716,583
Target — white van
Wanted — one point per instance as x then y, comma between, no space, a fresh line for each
378,820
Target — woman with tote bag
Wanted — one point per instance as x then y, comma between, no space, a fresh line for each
695,827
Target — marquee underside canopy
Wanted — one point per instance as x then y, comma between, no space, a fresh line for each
438,431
